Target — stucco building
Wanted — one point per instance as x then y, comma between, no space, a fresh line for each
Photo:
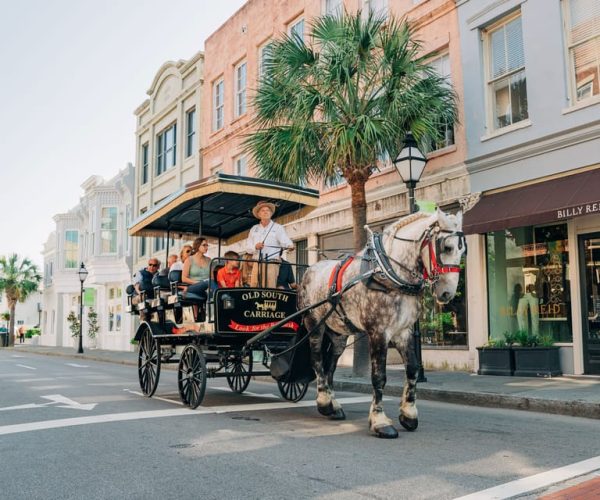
233,56
531,74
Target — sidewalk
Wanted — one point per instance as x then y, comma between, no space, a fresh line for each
572,396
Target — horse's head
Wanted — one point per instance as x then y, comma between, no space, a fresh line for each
441,252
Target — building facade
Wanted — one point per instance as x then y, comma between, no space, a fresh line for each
233,65
93,233
167,144
531,74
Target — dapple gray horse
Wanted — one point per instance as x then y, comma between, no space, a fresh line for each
415,249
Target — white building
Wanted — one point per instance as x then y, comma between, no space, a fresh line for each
93,233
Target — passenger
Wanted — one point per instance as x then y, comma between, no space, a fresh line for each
246,269
229,276
142,280
186,251
265,241
171,261
285,278
196,268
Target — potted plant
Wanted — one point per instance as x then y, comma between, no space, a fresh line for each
536,356
93,326
496,357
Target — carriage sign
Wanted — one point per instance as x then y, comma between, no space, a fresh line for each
256,310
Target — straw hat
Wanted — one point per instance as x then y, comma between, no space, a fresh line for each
260,204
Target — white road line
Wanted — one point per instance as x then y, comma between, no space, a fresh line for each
248,393
28,367
75,365
17,356
137,393
43,379
183,412
537,481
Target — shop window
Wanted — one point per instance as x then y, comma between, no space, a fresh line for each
528,289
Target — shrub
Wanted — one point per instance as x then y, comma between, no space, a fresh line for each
73,321
93,326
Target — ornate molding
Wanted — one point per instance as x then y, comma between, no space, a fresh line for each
469,201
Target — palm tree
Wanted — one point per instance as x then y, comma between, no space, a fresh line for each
334,107
18,279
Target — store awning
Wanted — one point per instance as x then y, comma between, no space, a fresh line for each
554,200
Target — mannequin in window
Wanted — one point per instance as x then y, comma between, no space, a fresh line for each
529,304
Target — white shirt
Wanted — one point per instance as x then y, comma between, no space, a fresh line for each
273,236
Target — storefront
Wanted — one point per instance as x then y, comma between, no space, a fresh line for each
537,247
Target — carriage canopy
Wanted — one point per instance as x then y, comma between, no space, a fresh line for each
220,206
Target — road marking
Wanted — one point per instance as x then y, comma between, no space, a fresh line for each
76,365
50,387
537,481
175,412
25,407
17,356
248,393
44,379
137,393
69,403
28,367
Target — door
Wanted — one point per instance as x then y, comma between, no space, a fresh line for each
589,258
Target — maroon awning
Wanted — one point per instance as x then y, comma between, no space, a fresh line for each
549,201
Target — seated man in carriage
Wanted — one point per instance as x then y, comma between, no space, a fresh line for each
266,240
142,279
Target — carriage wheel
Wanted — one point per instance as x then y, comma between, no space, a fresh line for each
148,363
239,377
191,376
293,391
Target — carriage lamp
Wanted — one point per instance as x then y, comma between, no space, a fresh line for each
410,164
228,302
83,273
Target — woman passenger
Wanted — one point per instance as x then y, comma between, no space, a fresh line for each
186,251
196,268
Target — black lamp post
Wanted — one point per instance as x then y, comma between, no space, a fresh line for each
83,272
410,164
39,310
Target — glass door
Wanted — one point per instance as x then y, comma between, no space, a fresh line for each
589,257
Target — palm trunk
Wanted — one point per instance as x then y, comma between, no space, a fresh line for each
11,325
361,359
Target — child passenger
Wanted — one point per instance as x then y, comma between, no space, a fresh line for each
230,276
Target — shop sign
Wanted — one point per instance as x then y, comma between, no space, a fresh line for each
578,210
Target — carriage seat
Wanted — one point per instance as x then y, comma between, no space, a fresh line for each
178,289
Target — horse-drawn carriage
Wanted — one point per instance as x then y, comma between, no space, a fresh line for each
216,339
375,293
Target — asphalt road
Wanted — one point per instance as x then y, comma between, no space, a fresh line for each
76,430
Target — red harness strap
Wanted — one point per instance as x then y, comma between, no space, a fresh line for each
338,273
436,269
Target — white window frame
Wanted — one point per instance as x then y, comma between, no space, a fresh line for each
113,233
190,132
145,157
292,28
449,139
240,165
241,82
166,156
218,92
71,255
578,90
261,59
491,81
333,7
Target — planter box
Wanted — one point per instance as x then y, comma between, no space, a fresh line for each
496,361
537,362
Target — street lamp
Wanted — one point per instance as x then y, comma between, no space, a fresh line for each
39,310
83,272
410,164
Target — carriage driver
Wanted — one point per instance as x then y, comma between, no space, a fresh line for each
266,241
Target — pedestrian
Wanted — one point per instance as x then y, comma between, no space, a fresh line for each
21,335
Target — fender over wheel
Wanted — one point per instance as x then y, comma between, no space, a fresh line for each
292,391
148,363
238,373
191,376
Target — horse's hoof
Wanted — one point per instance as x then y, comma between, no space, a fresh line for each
326,410
337,415
386,432
410,424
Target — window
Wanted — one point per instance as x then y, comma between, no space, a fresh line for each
108,230
583,40
264,55
218,105
506,82
190,144
528,286
441,65
241,165
296,30
166,149
334,7
115,309
240,89
379,7
71,249
142,247
144,177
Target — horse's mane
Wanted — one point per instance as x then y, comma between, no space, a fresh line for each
406,220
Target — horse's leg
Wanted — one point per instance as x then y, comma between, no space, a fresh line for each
316,355
379,423
409,417
336,344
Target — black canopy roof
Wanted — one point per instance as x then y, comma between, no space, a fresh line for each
221,206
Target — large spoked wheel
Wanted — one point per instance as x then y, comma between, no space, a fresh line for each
191,376
148,363
238,376
292,391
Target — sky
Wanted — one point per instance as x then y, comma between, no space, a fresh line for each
72,73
